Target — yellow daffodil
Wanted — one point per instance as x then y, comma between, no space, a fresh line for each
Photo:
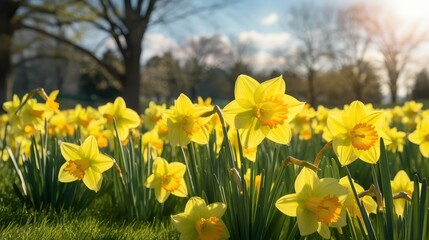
249,153
262,110
204,102
317,203
84,163
301,122
125,118
151,144
166,179
401,183
257,180
397,139
60,125
185,123
350,203
411,110
201,221
152,115
421,137
356,133
50,101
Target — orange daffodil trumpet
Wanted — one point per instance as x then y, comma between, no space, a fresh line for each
201,221
262,110
185,123
317,203
356,133
84,163
167,178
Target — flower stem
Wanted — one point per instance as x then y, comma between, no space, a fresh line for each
321,152
378,195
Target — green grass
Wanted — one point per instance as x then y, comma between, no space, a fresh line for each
20,222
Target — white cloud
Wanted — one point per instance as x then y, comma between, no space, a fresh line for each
264,40
270,19
264,61
156,44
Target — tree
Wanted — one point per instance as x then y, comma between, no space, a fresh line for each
352,48
311,25
397,40
421,87
203,54
126,22
165,76
8,10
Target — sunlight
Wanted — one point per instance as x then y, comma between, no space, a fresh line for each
411,9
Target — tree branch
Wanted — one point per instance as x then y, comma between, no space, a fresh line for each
109,69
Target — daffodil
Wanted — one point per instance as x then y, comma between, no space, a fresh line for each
317,203
185,123
397,139
356,133
50,101
301,122
201,221
262,110
401,183
152,115
151,144
411,110
420,136
350,203
124,117
249,153
257,180
84,163
166,179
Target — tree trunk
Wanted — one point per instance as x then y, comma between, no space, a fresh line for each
393,92
5,64
132,82
7,11
393,85
312,94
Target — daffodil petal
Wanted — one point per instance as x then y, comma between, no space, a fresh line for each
344,150
424,149
323,230
102,163
307,222
306,180
70,151
64,176
281,134
92,179
90,148
371,155
216,210
288,204
245,87
181,191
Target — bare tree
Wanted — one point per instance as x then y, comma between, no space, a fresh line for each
351,50
203,54
125,21
312,26
397,40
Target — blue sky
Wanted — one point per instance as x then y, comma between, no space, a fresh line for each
261,21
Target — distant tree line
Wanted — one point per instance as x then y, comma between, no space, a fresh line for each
338,53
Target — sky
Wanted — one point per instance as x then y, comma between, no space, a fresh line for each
262,22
